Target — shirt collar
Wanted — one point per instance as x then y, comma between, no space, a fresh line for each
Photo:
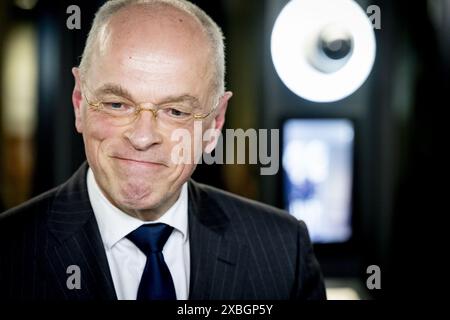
114,224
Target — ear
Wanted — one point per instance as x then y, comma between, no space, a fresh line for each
219,119
77,100
218,122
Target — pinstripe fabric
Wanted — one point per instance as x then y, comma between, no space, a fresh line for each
240,249
65,233
248,250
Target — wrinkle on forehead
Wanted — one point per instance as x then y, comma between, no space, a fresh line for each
142,63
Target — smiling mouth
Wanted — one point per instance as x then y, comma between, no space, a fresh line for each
139,162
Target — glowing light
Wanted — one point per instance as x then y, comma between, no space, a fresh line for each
20,82
309,70
25,4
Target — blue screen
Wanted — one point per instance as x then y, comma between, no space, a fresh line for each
317,162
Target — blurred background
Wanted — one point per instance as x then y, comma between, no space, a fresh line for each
373,201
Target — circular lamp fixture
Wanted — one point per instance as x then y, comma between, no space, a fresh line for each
323,50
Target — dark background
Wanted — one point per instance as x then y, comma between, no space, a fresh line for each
395,210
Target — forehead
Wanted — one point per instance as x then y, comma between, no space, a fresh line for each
155,22
153,47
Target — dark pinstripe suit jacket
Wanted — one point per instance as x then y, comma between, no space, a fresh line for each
240,249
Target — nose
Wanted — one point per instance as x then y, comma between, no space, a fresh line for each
143,133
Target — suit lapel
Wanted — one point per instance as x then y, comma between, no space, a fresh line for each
74,240
217,259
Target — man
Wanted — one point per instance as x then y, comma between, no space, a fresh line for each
130,224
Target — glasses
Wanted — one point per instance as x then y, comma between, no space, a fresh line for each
121,111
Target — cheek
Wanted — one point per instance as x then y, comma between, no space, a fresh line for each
181,170
96,136
179,175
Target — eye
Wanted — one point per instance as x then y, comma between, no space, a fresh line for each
177,113
114,105
118,107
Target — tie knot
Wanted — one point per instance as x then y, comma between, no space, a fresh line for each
150,238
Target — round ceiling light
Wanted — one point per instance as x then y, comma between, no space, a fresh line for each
323,50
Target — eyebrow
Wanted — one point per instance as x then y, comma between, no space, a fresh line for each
118,90
115,89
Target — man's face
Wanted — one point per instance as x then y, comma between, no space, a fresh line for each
145,57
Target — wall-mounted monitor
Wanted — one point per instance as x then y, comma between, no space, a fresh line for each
317,162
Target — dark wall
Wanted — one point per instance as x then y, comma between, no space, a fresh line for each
395,113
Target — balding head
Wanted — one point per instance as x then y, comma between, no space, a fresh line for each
163,56
152,25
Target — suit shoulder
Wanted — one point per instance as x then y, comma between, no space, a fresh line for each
27,211
242,208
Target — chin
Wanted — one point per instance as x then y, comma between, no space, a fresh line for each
139,205
139,198
128,204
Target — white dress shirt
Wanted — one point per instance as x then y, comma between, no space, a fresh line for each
125,260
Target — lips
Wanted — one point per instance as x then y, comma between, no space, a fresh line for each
148,163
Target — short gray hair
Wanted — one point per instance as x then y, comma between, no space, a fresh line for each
212,30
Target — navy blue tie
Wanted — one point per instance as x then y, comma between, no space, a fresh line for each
156,282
